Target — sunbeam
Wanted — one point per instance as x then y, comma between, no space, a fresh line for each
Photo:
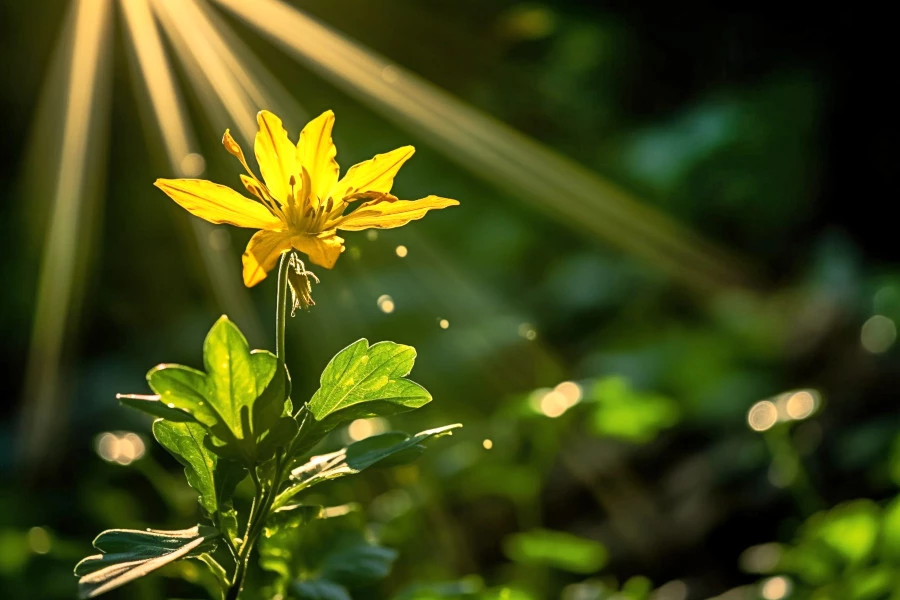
496,152
57,290
184,159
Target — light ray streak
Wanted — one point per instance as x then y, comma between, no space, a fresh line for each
496,152
57,293
179,144
256,80
196,50
221,67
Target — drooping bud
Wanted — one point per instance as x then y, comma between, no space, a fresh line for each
299,282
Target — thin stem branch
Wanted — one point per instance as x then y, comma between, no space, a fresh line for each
262,504
281,302
264,491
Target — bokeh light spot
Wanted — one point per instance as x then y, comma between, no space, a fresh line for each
444,323
761,558
385,303
878,334
527,331
571,391
673,590
401,251
121,448
219,239
528,22
775,588
762,416
390,74
360,429
488,444
554,404
192,165
39,540
372,235
800,405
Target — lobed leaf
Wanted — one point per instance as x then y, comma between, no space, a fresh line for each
357,457
241,398
153,406
128,554
367,375
213,478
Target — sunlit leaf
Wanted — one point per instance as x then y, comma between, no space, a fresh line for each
234,380
213,477
557,549
127,555
370,379
185,389
240,399
154,407
377,449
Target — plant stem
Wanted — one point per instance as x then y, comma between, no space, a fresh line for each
264,495
281,301
262,504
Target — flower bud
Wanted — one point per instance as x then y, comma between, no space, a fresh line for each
299,282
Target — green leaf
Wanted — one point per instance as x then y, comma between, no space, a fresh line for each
271,378
291,517
328,553
319,590
240,398
557,549
467,587
233,380
129,554
352,561
890,528
622,412
279,436
213,478
368,379
851,529
154,407
185,389
357,457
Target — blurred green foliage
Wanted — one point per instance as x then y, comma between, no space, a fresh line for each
762,130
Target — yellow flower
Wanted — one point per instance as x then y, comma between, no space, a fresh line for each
300,203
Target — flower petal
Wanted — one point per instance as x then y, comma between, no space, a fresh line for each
262,253
316,153
386,212
276,156
374,175
217,203
323,249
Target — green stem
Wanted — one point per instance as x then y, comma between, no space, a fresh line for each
262,504
264,495
281,302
